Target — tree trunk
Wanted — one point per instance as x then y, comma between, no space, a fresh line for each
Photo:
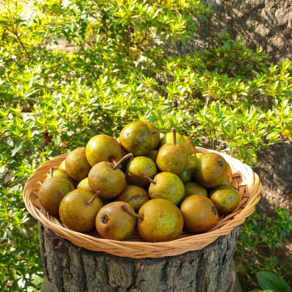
275,171
74,269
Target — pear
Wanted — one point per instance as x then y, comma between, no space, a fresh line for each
168,139
193,188
160,220
211,170
77,165
228,180
133,195
62,166
229,169
156,135
52,192
225,198
113,222
172,157
107,178
152,155
84,185
189,146
188,174
78,210
199,155
168,186
62,174
103,148
199,213
137,138
138,168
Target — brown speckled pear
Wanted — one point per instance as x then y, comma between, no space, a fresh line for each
113,222
78,210
133,195
199,213
138,168
52,192
156,135
225,198
77,165
211,170
137,138
188,174
103,148
107,178
193,188
168,186
65,175
172,157
162,221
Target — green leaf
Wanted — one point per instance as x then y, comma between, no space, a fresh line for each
272,135
268,280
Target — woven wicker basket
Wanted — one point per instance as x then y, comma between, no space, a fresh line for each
134,247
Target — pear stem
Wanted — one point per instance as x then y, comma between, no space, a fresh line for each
124,207
192,146
151,180
154,132
93,198
130,155
114,162
51,171
174,135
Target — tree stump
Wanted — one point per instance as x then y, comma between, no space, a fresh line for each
74,269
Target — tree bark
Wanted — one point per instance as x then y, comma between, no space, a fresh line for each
74,269
274,169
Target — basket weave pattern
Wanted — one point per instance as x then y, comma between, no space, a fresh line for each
244,179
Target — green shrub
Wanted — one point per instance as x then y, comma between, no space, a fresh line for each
228,98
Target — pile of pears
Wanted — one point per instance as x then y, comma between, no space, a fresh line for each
154,182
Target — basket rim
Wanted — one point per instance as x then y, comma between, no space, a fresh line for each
244,178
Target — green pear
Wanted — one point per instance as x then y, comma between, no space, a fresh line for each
168,186
62,174
193,188
78,210
103,148
156,135
77,165
107,178
133,195
137,138
138,168
152,155
225,198
188,174
168,139
160,220
211,170
172,157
